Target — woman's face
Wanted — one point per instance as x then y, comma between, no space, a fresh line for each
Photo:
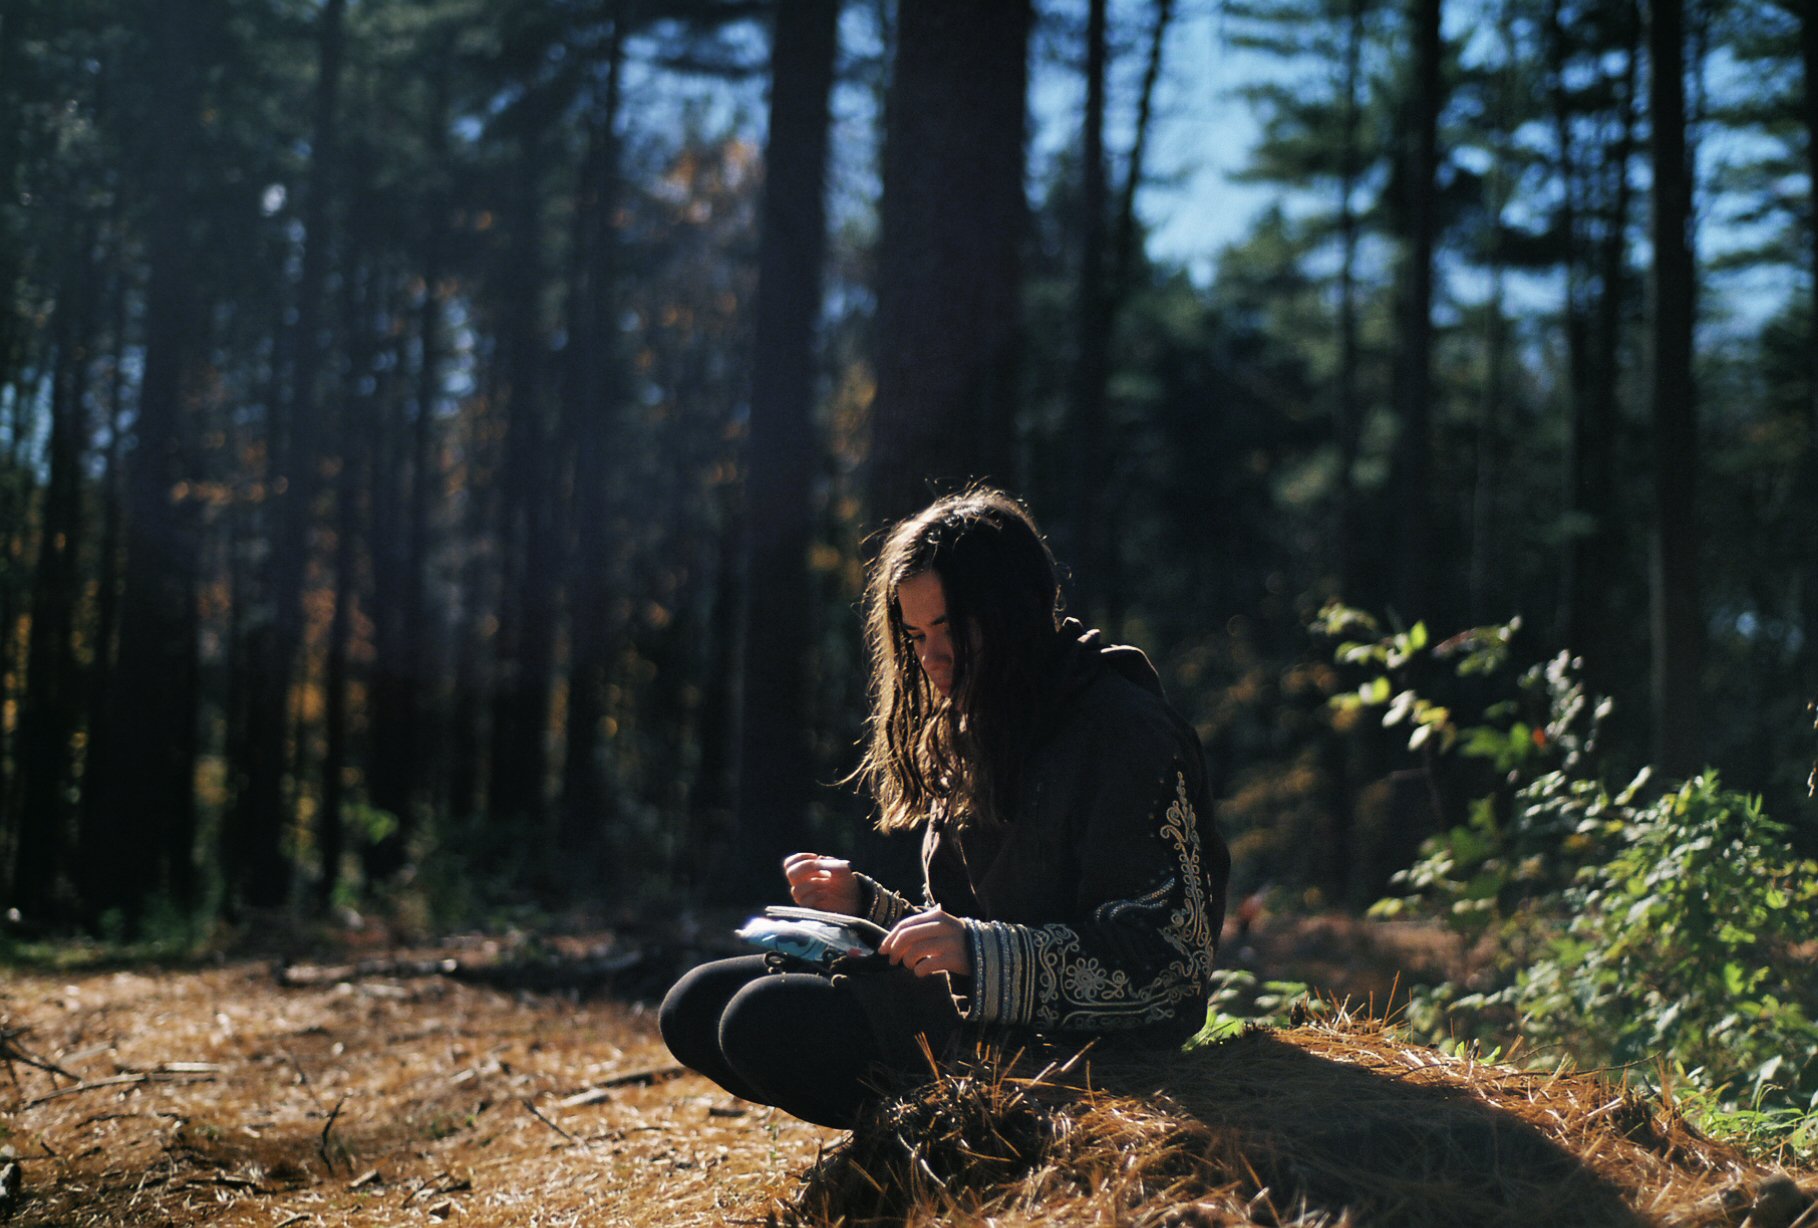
922,601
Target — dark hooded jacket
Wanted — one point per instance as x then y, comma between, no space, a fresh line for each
1096,906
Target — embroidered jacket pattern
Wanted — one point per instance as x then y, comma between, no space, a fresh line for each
1098,907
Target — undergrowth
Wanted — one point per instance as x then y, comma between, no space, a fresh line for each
1661,931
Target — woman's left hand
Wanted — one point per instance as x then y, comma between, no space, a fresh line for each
929,942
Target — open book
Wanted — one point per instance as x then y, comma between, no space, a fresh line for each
811,935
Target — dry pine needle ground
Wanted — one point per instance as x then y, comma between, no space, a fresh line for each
409,1100
1330,1124
221,1096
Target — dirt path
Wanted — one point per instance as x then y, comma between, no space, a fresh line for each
221,1097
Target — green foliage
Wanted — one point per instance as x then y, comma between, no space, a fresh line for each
167,934
1682,947
1401,664
1240,1002
1660,934
368,824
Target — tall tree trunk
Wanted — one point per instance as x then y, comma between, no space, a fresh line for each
1105,560
1678,639
476,630
351,480
1123,253
1599,558
1576,582
1092,318
107,563
1490,427
1413,445
405,647
144,831
588,417
12,495
50,709
367,470
948,278
1347,537
263,875
1808,58
721,690
775,758
527,607
12,34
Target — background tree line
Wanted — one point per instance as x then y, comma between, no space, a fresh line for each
439,438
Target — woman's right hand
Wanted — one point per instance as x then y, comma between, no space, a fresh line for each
818,881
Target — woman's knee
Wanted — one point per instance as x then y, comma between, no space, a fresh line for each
689,1018
789,1020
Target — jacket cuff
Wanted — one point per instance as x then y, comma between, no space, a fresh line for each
878,904
1003,972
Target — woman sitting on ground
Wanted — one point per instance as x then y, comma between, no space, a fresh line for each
1074,883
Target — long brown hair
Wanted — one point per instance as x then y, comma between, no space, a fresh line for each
962,752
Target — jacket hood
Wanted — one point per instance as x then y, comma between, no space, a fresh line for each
1082,654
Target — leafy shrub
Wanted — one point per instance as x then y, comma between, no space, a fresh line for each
1668,933
1683,945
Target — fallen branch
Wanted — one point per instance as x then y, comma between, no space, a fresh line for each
12,1051
537,976
437,1185
126,1080
322,1143
579,1142
645,1078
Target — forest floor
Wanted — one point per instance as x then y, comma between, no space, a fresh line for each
495,1081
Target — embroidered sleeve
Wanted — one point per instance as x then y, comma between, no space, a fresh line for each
1141,950
880,905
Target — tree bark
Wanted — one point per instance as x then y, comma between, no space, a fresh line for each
1678,639
405,647
50,710
527,608
263,873
1092,318
144,831
1808,58
948,278
107,564
1599,551
1413,445
1347,537
775,762
1575,585
330,826
588,423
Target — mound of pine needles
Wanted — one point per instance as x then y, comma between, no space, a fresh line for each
1342,1122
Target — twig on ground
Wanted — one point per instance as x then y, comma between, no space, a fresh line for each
128,1080
580,1142
11,1051
645,1078
322,1144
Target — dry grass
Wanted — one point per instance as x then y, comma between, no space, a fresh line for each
224,1096
1328,1124
370,1101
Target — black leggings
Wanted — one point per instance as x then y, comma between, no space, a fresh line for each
792,1039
